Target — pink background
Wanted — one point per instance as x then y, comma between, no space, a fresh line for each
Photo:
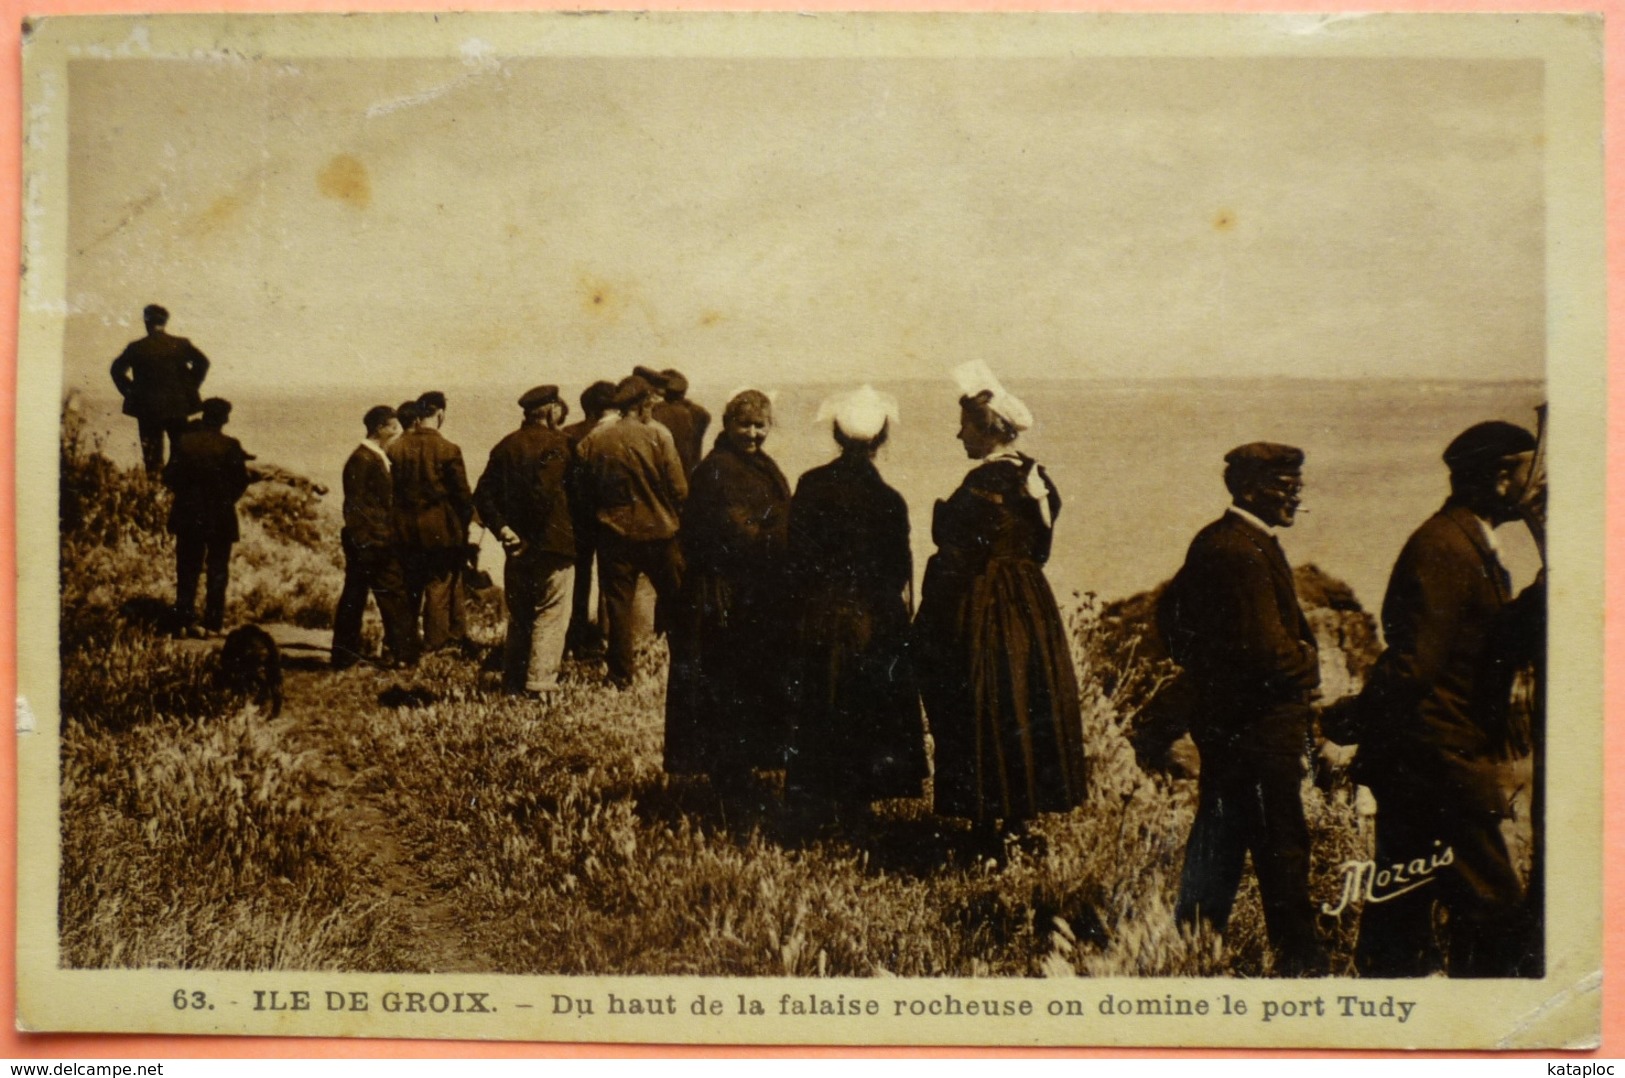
13,1044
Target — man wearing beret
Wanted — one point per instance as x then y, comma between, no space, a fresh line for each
208,473
371,559
522,498
1432,745
1231,619
433,508
158,376
637,486
685,419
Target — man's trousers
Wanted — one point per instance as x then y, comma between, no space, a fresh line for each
376,570
434,582
1479,891
151,432
537,590
620,562
1252,802
585,639
197,552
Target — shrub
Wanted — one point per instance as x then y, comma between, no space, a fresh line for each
178,816
119,676
191,836
115,546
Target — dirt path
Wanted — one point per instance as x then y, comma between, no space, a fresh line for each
432,928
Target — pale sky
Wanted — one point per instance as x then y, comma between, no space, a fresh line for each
820,219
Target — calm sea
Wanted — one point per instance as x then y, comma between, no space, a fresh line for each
1138,464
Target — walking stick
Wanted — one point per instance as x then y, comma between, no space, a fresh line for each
1532,504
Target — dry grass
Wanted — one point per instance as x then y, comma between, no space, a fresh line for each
198,836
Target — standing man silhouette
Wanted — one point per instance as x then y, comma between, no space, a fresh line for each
636,485
522,498
433,508
1231,618
208,473
372,561
585,637
158,376
1434,741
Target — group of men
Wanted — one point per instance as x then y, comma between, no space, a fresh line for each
1433,724
407,508
609,488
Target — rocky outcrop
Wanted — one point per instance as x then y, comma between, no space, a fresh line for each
1156,705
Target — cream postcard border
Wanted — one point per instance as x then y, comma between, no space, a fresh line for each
1563,1009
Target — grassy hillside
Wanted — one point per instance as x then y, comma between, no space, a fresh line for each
434,824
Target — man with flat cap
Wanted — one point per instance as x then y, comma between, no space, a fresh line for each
685,419
1231,619
433,508
522,498
372,562
584,639
158,376
208,473
637,486
1432,745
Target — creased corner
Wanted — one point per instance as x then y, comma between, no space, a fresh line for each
1309,25
1517,1036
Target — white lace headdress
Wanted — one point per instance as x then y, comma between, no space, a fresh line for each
860,413
974,377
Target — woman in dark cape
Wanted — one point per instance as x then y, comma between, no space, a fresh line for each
859,735
725,709
994,660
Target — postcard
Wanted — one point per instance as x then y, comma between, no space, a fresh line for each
854,529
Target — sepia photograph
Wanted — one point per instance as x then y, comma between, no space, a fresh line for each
852,529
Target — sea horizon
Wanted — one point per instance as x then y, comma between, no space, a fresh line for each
1138,461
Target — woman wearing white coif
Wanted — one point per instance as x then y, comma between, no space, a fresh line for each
858,737
994,661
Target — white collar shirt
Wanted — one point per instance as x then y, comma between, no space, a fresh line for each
1253,520
368,443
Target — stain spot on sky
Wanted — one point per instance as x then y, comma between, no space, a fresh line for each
599,298
345,178
710,318
1224,221
222,212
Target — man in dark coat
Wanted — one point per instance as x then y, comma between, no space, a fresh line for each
1231,619
433,508
371,559
208,473
686,420
1432,745
522,498
637,485
584,639
158,376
